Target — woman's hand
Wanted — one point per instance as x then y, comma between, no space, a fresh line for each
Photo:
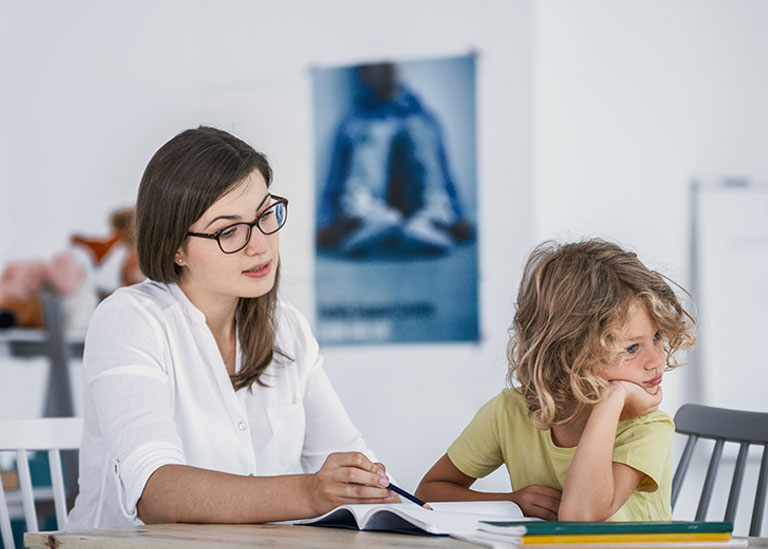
538,501
637,399
348,477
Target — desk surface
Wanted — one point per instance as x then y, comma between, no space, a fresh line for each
248,535
26,342
36,334
232,535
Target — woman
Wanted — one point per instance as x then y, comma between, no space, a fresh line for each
205,393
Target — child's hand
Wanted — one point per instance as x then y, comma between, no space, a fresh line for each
637,399
538,501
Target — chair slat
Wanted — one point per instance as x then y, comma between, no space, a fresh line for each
6,535
738,477
682,467
759,509
25,482
41,434
709,481
57,483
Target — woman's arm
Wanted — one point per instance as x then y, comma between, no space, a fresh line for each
595,486
180,493
445,482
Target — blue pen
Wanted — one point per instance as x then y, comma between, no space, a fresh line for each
408,496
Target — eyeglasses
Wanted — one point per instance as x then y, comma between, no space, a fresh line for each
235,237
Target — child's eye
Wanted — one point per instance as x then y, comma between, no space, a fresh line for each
632,349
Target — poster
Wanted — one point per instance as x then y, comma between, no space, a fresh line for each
396,222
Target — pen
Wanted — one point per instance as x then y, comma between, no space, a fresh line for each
408,496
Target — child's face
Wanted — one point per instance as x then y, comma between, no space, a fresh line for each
643,358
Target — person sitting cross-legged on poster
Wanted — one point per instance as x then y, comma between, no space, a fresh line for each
389,186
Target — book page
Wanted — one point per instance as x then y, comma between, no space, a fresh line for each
495,541
349,516
446,517
501,508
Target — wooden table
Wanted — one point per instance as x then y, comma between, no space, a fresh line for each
198,536
232,535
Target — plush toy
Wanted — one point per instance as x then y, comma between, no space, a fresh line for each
84,274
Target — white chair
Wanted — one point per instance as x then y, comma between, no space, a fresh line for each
45,434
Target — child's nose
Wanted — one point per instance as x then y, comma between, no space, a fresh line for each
658,358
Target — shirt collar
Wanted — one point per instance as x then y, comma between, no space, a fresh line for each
189,309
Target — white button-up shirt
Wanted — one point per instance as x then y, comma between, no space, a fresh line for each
157,392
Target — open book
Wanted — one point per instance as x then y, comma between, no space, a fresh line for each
446,517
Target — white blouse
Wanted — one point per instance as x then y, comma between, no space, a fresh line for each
157,392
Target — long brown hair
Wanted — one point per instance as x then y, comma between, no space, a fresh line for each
571,305
182,180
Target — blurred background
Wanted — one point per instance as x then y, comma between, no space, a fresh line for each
593,119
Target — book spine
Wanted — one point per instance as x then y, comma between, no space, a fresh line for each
574,539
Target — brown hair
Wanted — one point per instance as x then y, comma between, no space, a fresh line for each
182,180
572,302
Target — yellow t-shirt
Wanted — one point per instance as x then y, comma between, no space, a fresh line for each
502,434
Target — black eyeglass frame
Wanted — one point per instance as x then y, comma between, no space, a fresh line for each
250,224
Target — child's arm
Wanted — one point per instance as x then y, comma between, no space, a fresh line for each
596,487
445,482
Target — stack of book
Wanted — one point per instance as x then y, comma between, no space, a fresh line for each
500,534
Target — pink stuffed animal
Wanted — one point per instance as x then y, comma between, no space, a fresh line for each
83,275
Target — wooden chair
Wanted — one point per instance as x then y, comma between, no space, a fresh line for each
46,434
723,425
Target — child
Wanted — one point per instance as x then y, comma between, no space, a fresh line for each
580,435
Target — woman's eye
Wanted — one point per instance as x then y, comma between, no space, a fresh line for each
267,214
227,233
632,349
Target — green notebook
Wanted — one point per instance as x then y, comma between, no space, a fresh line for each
556,527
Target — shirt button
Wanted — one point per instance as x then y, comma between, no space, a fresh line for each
241,426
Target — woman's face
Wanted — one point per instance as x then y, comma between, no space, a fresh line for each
208,274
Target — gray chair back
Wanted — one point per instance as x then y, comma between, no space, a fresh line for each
723,425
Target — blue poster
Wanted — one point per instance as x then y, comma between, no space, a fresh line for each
396,227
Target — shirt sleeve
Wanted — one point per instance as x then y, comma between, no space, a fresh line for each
477,451
645,444
328,426
125,373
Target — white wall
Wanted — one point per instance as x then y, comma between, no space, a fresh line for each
95,89
633,100
612,105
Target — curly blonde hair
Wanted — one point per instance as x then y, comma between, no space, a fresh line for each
572,302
